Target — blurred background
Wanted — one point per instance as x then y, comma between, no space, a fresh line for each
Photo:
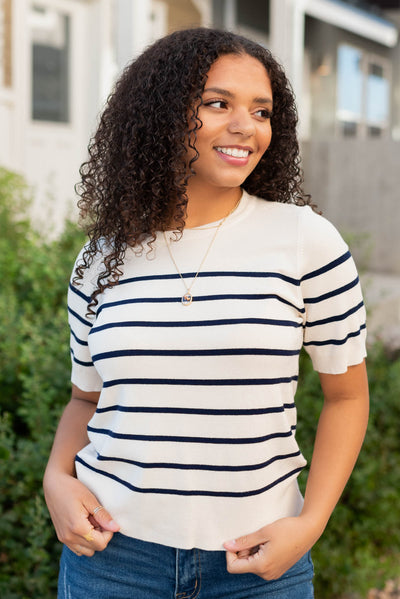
59,59
58,62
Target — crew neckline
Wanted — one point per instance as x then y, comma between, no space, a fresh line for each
209,228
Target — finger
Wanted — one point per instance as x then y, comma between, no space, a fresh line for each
247,552
80,550
248,563
100,518
249,542
89,536
95,540
243,553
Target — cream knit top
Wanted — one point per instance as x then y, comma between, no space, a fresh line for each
193,442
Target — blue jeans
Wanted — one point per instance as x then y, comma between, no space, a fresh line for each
133,569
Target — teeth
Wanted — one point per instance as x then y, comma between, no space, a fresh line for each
234,152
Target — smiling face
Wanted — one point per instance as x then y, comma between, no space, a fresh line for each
236,128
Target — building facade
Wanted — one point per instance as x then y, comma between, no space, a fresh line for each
59,59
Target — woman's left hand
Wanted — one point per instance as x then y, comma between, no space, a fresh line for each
273,549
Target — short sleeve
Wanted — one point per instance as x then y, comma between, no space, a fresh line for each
334,317
84,374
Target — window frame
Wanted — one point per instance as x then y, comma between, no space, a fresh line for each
67,14
363,124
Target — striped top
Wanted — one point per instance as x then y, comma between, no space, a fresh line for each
193,441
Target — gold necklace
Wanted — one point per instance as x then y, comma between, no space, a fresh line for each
187,297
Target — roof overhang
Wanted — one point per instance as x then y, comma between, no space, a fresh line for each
353,19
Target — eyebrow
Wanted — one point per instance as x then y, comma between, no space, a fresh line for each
228,94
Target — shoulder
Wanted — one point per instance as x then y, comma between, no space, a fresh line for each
287,219
309,220
277,211
313,240
321,247
316,225
320,241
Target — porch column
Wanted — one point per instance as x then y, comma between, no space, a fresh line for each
107,66
134,28
287,41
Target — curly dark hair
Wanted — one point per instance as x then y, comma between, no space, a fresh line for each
134,181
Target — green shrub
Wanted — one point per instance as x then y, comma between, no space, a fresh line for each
34,386
360,547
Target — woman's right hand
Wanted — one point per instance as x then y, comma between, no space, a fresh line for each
72,506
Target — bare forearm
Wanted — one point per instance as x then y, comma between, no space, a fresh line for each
340,434
71,504
71,435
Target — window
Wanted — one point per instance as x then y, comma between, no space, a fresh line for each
50,65
377,97
254,15
362,93
250,18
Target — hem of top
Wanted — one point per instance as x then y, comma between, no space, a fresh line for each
89,388
180,546
342,369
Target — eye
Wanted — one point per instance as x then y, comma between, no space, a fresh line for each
216,103
264,113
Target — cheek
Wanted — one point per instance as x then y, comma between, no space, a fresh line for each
266,139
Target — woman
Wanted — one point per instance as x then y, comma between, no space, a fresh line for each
174,467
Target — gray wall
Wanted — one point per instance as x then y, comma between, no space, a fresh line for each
394,16
356,184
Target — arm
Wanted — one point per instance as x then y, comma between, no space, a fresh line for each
273,549
70,503
341,430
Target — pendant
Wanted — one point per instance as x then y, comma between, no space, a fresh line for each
187,299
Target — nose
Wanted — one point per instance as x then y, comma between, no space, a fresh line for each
241,122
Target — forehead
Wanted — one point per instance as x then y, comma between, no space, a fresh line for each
239,71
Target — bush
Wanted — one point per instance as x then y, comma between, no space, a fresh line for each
34,386
359,549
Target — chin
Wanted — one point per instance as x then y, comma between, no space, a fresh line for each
230,182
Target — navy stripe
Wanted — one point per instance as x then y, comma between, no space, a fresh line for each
197,411
190,492
179,439
200,298
78,292
336,318
85,322
186,275
199,382
205,467
79,361
196,323
325,296
337,341
327,267
77,338
196,352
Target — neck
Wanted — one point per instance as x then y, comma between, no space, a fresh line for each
207,206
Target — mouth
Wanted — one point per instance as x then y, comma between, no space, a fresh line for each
234,152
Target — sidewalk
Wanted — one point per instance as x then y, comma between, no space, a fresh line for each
382,299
